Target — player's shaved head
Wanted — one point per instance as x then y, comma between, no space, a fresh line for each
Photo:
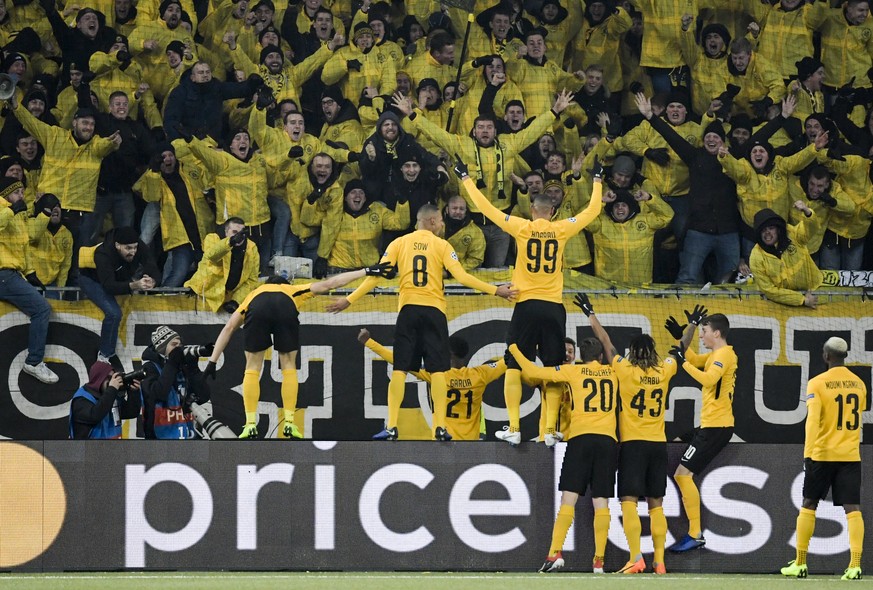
541,206
426,212
836,348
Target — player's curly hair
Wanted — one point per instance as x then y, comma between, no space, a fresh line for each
642,352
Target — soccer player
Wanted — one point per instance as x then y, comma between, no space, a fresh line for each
642,461
831,455
270,314
422,331
716,372
589,459
538,323
465,385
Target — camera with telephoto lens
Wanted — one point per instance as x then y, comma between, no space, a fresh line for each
129,378
195,351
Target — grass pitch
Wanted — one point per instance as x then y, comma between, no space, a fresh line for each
402,581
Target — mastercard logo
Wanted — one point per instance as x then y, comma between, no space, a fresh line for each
33,504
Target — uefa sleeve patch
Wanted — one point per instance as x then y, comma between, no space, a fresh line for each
454,255
810,396
718,364
571,219
506,218
492,365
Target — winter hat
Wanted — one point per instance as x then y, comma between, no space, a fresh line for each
97,374
719,30
266,3
715,127
741,121
807,67
270,49
333,92
352,185
428,82
176,47
85,11
11,59
125,235
362,29
166,4
161,337
268,29
9,185
551,183
679,96
624,165
623,195
35,94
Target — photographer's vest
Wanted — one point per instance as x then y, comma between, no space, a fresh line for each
108,427
170,421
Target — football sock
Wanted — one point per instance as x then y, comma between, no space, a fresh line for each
554,391
566,514
543,411
856,537
512,395
601,530
280,414
289,392
659,532
396,389
633,528
805,528
440,400
691,501
251,394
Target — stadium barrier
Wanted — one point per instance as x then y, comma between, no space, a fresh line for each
343,391
408,506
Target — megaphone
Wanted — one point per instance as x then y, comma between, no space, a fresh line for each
7,86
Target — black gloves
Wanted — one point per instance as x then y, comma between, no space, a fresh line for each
354,64
34,280
697,315
237,240
18,206
678,352
460,168
675,328
834,153
46,203
569,123
847,90
596,170
155,162
296,151
176,356
485,60
122,56
313,196
828,200
209,371
231,306
635,87
183,132
759,107
383,269
255,82
582,302
265,97
354,157
319,270
613,128
659,156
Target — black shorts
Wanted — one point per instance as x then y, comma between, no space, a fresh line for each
272,320
589,461
642,469
421,333
538,328
843,478
706,444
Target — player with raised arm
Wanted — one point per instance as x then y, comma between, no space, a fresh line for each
270,315
422,331
644,380
466,385
832,455
538,323
589,460
716,371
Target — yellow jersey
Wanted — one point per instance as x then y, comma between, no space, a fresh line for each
421,257
465,387
643,399
834,402
717,378
540,244
593,389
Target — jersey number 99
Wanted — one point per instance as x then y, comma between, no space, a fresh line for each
542,255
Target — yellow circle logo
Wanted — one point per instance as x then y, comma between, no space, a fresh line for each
33,506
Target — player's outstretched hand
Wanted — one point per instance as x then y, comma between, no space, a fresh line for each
582,302
363,335
209,371
675,328
678,352
338,305
697,315
460,168
507,292
383,269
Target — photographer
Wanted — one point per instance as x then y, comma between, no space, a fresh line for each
172,382
99,406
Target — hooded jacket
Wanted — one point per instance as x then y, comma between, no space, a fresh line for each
379,174
345,129
91,412
785,271
467,240
351,240
377,70
710,72
168,389
211,277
